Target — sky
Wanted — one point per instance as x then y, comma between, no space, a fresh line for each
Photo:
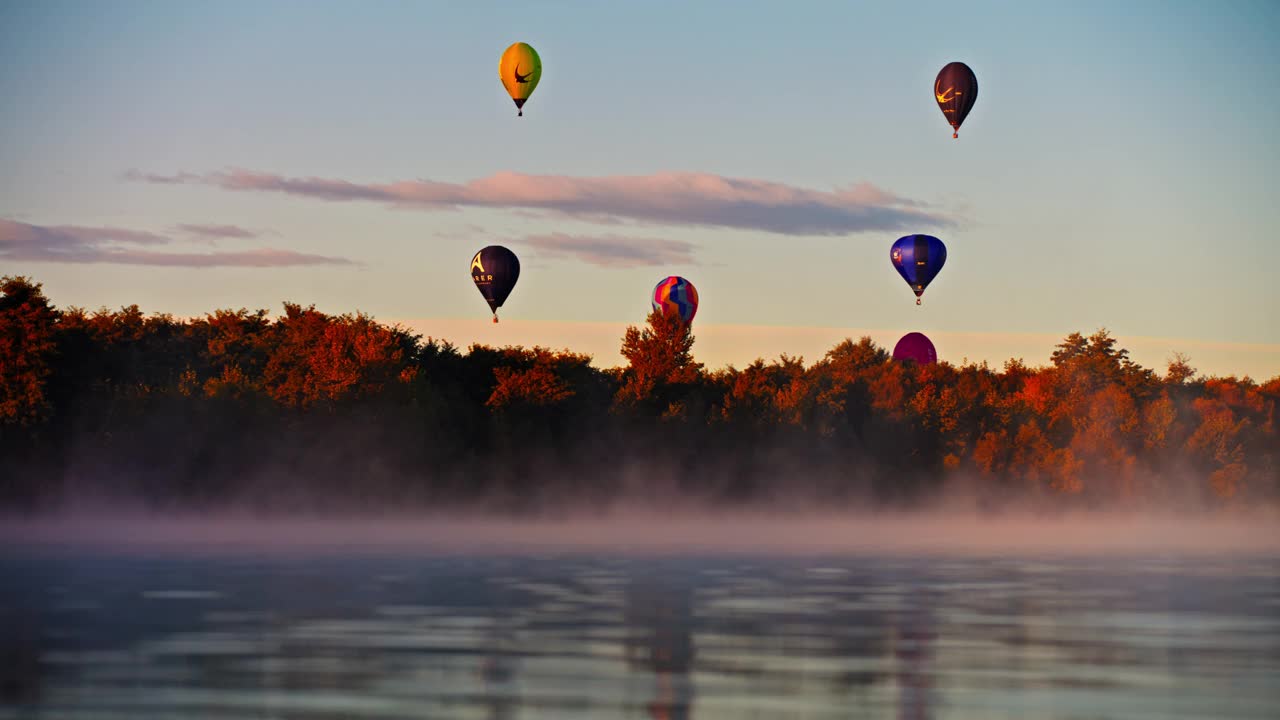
1118,169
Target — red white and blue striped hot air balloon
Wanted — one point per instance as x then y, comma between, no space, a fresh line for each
676,295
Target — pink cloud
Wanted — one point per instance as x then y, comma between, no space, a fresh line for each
75,244
668,198
611,250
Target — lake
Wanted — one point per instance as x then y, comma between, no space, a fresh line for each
377,632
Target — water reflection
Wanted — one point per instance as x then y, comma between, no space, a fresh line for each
498,670
19,657
914,635
515,638
659,620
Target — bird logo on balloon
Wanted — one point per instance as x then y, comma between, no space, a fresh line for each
947,95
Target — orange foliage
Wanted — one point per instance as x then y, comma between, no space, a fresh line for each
322,358
1092,423
26,345
540,385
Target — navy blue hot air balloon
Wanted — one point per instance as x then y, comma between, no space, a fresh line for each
495,270
918,259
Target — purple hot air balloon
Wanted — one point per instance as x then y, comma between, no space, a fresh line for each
915,346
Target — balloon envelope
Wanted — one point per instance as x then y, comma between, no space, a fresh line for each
495,270
918,259
520,69
915,346
676,295
956,90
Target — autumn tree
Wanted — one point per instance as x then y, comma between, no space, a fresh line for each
1179,370
314,406
836,396
661,373
317,358
758,397
27,341
231,355
546,391
1090,363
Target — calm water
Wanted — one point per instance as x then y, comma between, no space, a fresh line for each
395,636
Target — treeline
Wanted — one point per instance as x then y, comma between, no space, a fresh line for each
310,410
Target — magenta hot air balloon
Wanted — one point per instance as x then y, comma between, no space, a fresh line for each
915,347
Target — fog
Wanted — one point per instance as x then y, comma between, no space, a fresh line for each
650,532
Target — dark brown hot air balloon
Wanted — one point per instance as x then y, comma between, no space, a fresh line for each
956,89
495,271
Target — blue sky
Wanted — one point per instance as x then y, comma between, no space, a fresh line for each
1118,170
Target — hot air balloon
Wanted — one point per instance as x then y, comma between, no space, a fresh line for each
520,70
956,89
495,270
915,346
676,295
918,259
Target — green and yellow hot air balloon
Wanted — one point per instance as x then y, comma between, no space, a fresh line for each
520,70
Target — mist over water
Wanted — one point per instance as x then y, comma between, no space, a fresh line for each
675,531
636,612
639,616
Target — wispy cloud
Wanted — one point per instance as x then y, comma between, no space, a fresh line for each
66,236
669,198
76,244
611,251
216,232
176,179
